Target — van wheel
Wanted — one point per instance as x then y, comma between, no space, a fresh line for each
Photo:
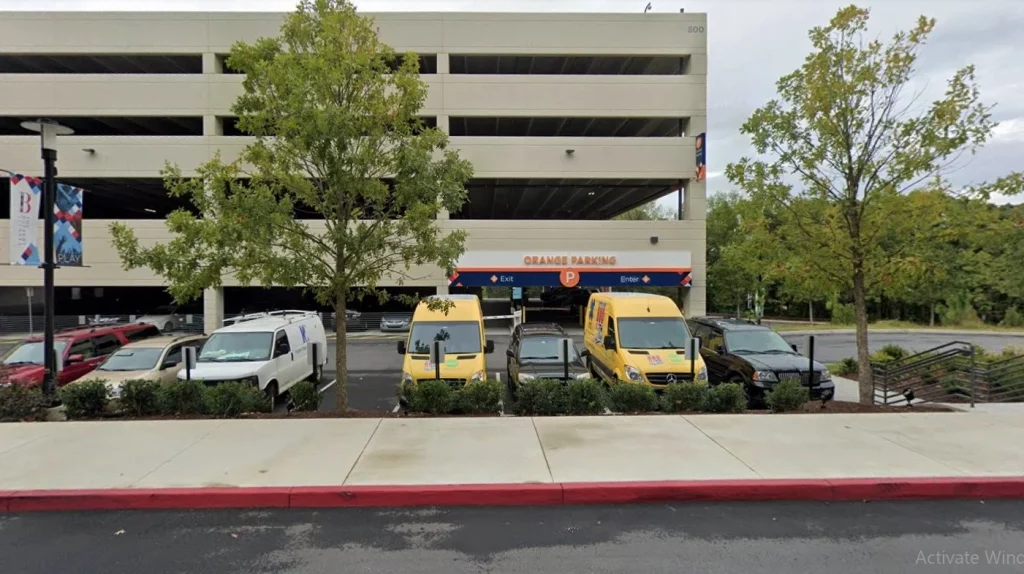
168,327
271,391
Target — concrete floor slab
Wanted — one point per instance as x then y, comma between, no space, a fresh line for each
98,454
310,452
582,449
452,451
816,446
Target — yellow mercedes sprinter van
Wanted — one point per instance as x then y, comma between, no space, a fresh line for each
461,328
639,338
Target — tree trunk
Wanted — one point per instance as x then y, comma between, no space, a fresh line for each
810,310
931,317
341,354
866,387
739,310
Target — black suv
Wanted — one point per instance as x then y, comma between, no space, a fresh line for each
757,357
535,352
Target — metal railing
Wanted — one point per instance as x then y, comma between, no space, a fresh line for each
951,373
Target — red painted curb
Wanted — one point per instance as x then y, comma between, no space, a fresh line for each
706,490
515,494
146,498
428,495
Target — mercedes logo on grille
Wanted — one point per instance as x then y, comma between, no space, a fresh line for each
670,379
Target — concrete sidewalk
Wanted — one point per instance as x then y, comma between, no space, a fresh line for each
442,451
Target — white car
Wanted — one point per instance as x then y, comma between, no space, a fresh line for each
271,350
164,317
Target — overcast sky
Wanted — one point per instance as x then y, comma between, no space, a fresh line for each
751,44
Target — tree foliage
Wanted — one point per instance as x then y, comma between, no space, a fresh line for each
342,183
843,141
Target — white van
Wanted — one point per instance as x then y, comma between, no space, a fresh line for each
272,350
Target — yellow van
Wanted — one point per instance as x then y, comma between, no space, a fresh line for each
639,338
461,329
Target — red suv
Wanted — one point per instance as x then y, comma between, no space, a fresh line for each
81,348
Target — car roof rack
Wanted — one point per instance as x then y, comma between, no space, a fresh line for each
293,313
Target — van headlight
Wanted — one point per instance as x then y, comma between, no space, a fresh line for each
524,377
825,376
478,376
254,381
634,374
765,376
702,375
406,378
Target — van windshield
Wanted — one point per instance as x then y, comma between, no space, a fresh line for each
458,336
236,347
653,333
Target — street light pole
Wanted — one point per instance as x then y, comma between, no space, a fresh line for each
48,131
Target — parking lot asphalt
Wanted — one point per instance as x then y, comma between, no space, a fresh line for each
769,537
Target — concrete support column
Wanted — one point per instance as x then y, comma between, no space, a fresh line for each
443,64
213,309
443,289
212,64
212,127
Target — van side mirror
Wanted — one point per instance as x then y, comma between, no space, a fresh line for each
401,347
75,359
795,350
720,349
510,353
489,347
609,342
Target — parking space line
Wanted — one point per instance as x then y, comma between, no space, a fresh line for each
328,385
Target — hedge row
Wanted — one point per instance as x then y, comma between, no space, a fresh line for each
589,397
91,399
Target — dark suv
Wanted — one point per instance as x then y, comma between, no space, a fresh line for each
536,352
757,357
81,349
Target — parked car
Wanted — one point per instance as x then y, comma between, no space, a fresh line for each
756,357
269,350
81,349
536,352
155,359
354,321
395,323
164,317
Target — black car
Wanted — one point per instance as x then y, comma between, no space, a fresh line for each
536,352
757,357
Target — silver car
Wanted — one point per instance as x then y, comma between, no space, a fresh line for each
395,323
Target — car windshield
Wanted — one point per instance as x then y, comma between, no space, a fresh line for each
545,348
236,347
131,360
653,333
31,353
458,336
756,341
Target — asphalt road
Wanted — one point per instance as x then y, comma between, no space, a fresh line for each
745,538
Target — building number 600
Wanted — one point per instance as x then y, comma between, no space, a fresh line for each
695,29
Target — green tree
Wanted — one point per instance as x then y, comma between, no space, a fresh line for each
341,186
646,212
729,276
841,141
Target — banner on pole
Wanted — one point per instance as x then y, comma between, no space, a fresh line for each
26,195
67,226
702,156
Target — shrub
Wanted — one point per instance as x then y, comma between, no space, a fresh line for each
541,397
585,397
1012,318
895,351
881,358
840,313
681,397
847,366
481,397
140,398
183,398
727,398
434,397
304,396
787,396
86,399
20,404
233,398
632,398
